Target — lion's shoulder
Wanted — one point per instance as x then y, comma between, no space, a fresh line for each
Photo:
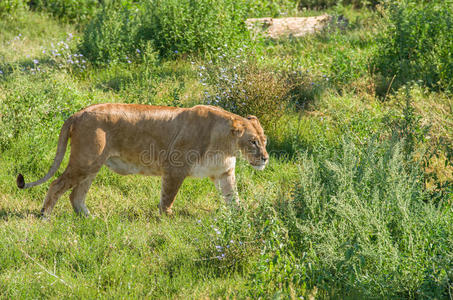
215,111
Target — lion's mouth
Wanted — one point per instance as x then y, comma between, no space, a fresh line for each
259,167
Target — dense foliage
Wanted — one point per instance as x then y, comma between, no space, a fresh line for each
358,220
11,6
112,36
318,4
170,27
69,10
194,26
239,84
417,45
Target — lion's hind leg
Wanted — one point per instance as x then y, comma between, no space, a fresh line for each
87,157
77,180
78,195
57,188
77,176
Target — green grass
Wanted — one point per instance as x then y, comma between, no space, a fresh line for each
337,213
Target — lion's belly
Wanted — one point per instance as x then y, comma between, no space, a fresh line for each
212,167
123,167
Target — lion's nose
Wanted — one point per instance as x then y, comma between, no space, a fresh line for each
265,158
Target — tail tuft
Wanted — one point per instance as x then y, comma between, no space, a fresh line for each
20,181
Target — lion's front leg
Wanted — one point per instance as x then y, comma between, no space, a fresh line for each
226,183
170,187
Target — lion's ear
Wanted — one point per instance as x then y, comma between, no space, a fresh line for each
237,128
253,119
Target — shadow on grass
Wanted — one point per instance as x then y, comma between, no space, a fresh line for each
118,77
27,66
33,66
184,212
6,214
288,147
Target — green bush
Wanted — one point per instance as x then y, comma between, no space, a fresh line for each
11,6
69,10
172,27
186,26
358,225
241,85
317,4
361,215
112,36
259,8
417,45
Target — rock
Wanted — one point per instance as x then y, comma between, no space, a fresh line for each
288,27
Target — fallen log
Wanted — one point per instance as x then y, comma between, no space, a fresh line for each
288,27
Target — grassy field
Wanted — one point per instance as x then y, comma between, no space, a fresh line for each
355,203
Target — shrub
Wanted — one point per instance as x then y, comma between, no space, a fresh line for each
185,26
360,215
317,4
69,10
259,8
240,85
416,45
11,6
172,27
358,225
111,36
236,237
247,89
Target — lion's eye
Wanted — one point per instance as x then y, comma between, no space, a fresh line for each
253,142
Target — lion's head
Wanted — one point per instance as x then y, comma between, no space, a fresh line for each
251,141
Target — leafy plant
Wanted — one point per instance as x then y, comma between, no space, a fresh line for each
416,45
69,10
317,4
11,6
111,37
185,26
366,204
171,27
275,8
239,84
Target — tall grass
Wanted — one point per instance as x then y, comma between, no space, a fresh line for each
417,43
358,224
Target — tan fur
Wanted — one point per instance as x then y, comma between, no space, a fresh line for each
202,141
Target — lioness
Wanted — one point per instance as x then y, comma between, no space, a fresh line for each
202,141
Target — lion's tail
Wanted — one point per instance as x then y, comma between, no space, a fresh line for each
61,150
